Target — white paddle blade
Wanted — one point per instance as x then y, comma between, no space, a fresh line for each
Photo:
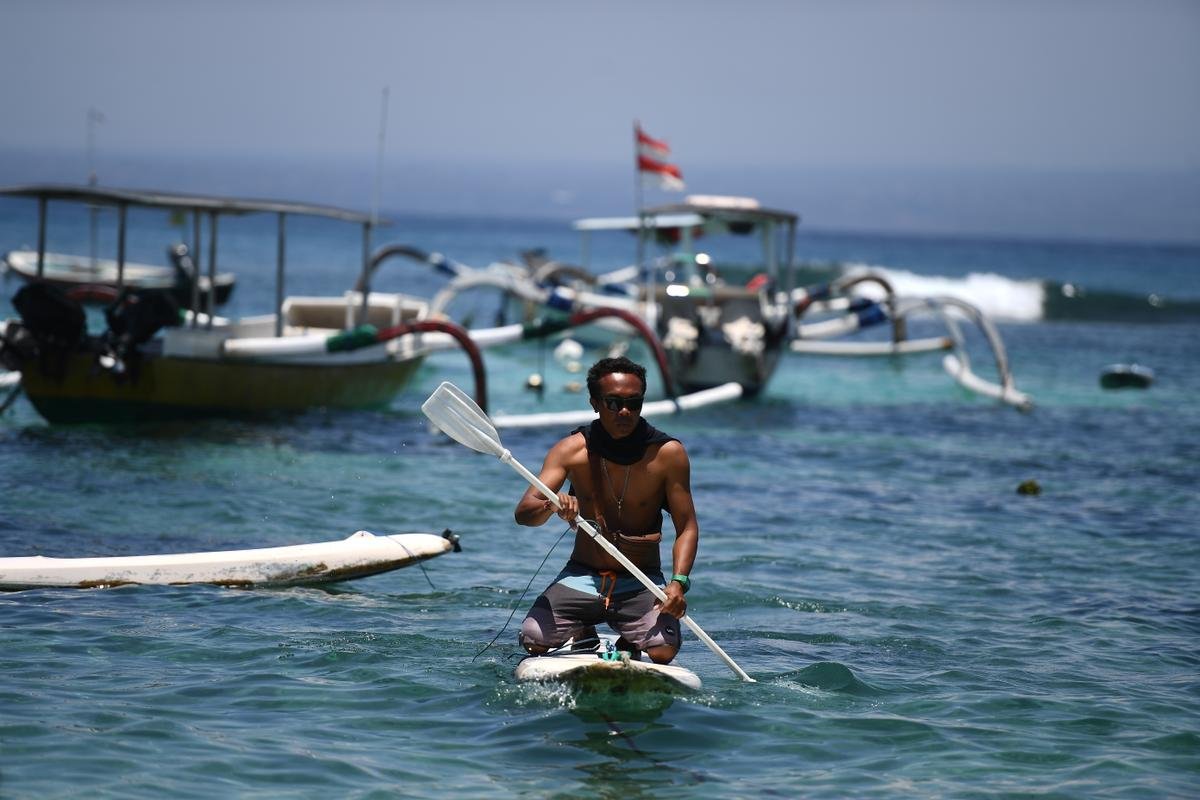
457,415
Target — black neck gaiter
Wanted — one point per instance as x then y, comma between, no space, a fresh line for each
624,451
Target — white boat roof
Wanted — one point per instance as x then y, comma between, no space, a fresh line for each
695,211
171,200
634,223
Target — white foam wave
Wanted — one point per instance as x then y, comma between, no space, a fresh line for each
1000,298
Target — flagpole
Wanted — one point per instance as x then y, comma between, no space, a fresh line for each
637,172
637,200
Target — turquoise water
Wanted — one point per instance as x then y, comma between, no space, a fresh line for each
916,627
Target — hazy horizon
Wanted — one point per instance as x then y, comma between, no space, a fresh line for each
1045,119
1154,207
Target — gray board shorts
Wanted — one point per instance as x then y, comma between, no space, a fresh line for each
581,598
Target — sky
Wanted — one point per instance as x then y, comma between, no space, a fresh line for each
932,115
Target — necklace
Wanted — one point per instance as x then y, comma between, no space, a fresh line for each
620,500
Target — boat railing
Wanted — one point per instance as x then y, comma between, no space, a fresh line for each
200,207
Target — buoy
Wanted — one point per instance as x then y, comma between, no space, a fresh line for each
568,350
1029,487
1126,376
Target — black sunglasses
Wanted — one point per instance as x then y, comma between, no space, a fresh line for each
615,404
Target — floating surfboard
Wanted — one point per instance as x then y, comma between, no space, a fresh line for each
591,671
357,556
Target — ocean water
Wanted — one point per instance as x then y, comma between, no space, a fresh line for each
916,627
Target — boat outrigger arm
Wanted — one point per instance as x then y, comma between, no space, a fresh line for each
198,206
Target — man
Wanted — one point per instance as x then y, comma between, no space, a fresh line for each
623,474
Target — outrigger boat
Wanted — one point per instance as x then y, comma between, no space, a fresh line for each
725,323
713,332
156,361
357,556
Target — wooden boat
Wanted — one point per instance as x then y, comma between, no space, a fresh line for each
156,362
357,556
100,281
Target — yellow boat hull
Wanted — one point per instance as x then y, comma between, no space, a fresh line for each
74,388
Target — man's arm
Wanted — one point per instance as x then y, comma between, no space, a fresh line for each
687,528
534,509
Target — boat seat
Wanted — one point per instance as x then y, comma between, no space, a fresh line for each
338,313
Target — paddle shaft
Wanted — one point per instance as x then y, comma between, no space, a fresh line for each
609,547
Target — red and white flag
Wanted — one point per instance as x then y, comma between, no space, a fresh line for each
652,164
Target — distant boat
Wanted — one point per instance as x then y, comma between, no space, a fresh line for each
100,281
713,330
1126,376
157,362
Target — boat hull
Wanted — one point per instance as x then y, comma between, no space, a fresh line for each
715,365
72,388
357,556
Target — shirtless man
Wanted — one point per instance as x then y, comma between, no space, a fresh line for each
623,474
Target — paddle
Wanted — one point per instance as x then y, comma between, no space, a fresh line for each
458,417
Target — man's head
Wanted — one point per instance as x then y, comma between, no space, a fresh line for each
607,366
616,387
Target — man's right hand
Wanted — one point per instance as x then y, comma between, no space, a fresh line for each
568,507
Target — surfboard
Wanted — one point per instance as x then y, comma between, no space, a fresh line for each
592,671
357,556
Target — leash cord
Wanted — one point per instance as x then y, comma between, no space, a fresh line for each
517,604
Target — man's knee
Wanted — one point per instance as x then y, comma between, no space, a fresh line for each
662,654
533,638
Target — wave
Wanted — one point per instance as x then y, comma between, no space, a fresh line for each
1007,299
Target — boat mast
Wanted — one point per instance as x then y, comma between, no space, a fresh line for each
41,261
383,114
195,276
280,257
637,207
211,297
122,218
94,117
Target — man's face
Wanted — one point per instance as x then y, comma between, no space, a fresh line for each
619,403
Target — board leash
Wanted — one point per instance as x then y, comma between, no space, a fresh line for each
517,604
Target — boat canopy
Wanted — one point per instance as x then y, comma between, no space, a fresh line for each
635,223
198,205
680,224
183,202
725,209
703,213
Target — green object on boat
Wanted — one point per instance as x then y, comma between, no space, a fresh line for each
352,339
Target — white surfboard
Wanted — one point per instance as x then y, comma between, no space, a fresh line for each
356,556
590,670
